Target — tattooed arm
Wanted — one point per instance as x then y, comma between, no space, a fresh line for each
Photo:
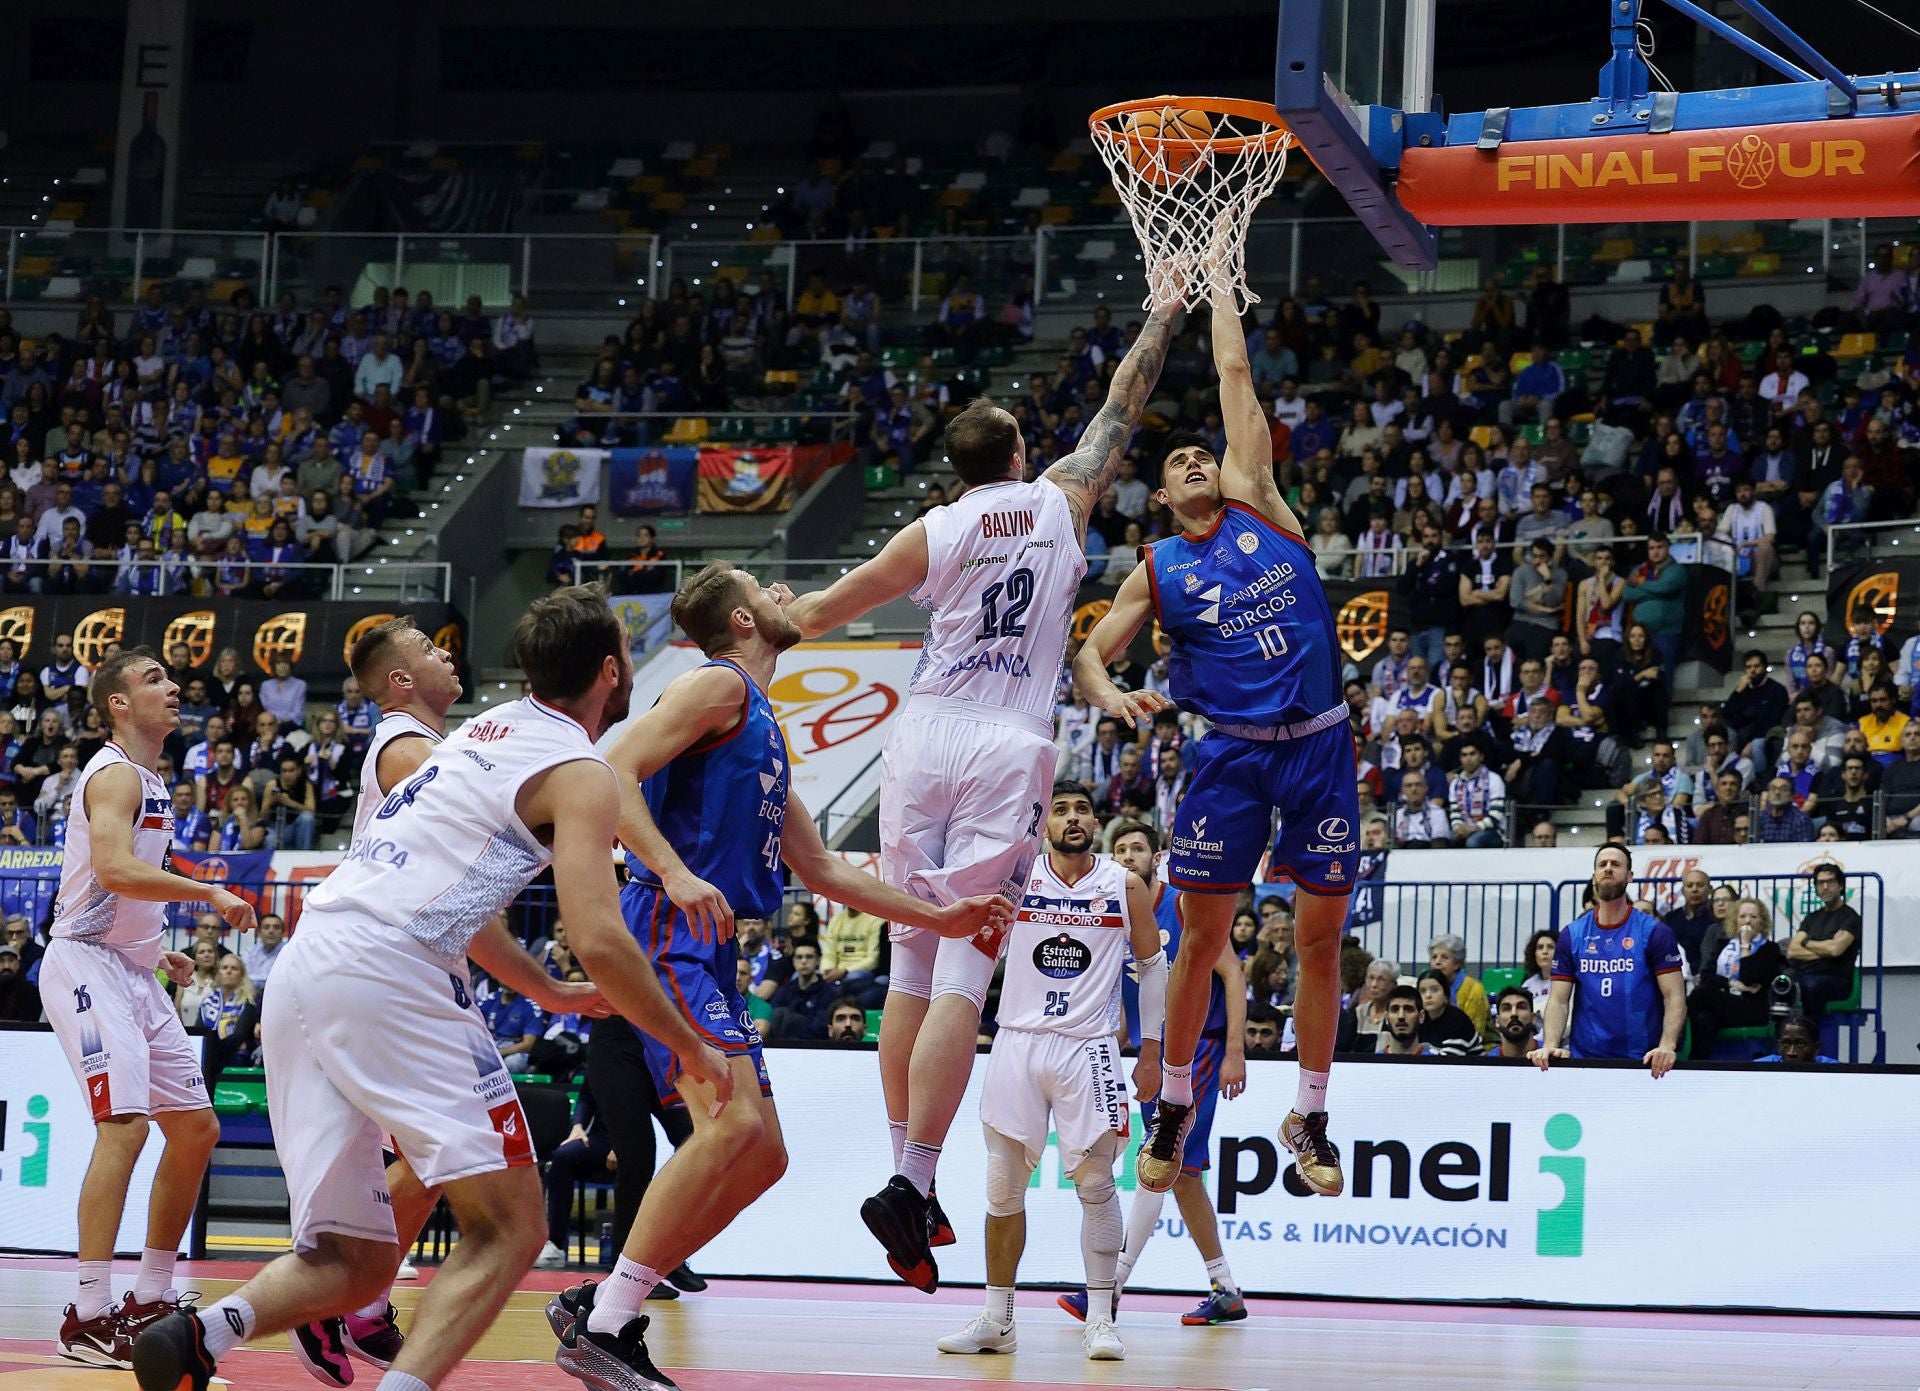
1090,470
1246,474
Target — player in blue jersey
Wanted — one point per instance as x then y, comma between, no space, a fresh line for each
708,816
1219,1069
1254,651
1632,997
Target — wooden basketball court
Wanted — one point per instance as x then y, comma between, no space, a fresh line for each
750,1336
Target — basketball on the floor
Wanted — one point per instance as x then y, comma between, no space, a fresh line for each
1163,144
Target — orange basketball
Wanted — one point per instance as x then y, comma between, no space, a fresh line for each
1163,144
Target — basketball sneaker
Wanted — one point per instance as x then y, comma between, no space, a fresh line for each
322,1349
376,1341
171,1355
408,1270
1075,1303
101,1341
984,1334
1222,1305
135,1315
1102,1343
939,1229
898,1218
1157,1166
609,1362
564,1307
683,1279
551,1257
1314,1155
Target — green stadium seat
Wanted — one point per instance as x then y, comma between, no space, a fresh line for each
1498,978
873,1026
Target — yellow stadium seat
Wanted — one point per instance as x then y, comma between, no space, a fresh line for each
34,266
781,377
1107,197
646,183
686,430
1615,249
1066,162
1056,215
68,212
671,201
1857,345
1707,243
1519,360
1481,435
1905,256
1761,263
1744,243
765,231
954,198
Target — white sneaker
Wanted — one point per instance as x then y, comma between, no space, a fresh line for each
984,1334
551,1257
1102,1343
408,1270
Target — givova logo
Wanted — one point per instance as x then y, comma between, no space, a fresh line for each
37,1132
1452,1171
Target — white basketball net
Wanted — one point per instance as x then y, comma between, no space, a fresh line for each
1190,200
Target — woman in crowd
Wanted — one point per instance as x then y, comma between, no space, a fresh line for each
227,675
1370,1007
1807,641
1537,962
1734,995
1268,978
1645,697
241,827
1442,1023
1332,550
192,995
243,711
1244,932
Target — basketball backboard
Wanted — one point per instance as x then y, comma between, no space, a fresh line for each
1353,80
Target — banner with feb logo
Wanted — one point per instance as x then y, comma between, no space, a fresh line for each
560,477
646,481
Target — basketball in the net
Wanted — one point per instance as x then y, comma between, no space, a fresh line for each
1163,144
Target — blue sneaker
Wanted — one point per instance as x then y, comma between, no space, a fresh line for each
1075,1303
1220,1306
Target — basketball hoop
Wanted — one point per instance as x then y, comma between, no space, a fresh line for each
1190,171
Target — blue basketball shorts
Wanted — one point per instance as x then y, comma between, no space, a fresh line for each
1197,1157
1220,830
698,979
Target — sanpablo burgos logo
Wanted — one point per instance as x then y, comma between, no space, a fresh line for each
1451,1171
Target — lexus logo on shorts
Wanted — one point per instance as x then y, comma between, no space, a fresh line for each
1335,837
1334,828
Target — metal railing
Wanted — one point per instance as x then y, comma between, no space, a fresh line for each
416,579
1398,921
1070,263
1719,552
1857,537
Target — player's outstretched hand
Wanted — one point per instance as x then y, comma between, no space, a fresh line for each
237,912
575,997
708,1064
1233,1076
1136,708
179,966
781,594
707,909
968,917
1661,1060
1543,1057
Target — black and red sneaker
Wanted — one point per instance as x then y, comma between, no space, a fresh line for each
321,1348
101,1341
939,1229
136,1315
898,1218
376,1341
171,1355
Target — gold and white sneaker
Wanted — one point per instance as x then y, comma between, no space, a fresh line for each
984,1334
1103,1343
1314,1155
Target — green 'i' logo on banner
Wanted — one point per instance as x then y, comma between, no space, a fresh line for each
33,1168
1560,1230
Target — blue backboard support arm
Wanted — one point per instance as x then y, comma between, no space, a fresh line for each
1806,52
1753,48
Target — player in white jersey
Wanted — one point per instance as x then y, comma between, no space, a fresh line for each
370,1029
114,1021
968,764
1055,1065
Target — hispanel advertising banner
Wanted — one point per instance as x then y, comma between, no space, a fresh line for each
46,1142
1465,1181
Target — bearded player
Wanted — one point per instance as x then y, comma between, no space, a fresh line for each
1055,1066
1254,652
969,762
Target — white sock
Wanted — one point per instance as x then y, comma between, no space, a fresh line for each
897,1133
401,1381
1000,1304
227,1324
917,1163
1142,1218
96,1289
617,1301
1099,1303
1176,1083
1312,1095
156,1274
1219,1274
377,1309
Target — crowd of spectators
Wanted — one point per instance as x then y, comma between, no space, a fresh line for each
185,448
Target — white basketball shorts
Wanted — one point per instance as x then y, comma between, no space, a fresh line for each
367,1034
1038,1084
964,791
121,1034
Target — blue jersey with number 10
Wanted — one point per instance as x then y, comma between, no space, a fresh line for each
1253,636
722,805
